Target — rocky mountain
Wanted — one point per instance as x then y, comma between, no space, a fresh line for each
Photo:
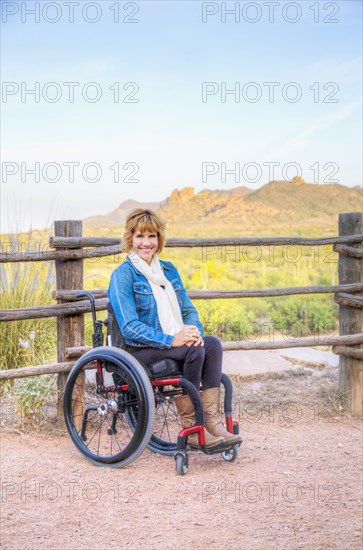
116,217
277,204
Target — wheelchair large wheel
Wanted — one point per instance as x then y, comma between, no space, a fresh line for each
103,389
166,423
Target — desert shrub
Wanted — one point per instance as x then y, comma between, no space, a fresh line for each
32,341
302,315
31,394
226,319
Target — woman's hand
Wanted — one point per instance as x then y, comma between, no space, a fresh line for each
199,342
188,336
193,331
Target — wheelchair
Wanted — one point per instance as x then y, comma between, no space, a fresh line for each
115,407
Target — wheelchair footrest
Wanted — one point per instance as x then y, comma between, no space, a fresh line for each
220,449
213,450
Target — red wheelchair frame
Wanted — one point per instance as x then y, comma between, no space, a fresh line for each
91,402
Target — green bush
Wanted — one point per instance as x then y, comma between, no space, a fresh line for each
225,319
303,315
32,393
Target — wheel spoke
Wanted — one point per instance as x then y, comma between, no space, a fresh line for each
96,432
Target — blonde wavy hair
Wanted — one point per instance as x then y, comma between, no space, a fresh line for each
143,220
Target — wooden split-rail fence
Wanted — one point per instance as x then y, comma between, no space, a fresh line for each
70,249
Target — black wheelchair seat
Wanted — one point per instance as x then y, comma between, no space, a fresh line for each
166,368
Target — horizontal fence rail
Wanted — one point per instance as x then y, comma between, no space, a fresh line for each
57,310
48,255
348,251
303,342
75,242
82,306
71,247
76,352
349,300
24,372
347,351
70,295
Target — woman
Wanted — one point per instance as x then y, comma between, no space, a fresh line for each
158,320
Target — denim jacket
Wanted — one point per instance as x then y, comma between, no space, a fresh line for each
135,307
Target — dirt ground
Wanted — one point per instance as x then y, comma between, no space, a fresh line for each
297,483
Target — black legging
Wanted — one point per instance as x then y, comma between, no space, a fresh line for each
201,364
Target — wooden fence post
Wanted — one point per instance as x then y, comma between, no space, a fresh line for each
69,276
351,318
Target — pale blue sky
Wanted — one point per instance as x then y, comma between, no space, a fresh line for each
170,132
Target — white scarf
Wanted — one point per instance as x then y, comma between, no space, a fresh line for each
167,303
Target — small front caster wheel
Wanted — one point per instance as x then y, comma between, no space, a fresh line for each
181,464
231,454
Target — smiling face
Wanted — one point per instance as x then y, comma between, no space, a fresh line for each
145,244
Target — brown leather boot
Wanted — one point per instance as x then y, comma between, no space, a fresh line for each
211,402
186,412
